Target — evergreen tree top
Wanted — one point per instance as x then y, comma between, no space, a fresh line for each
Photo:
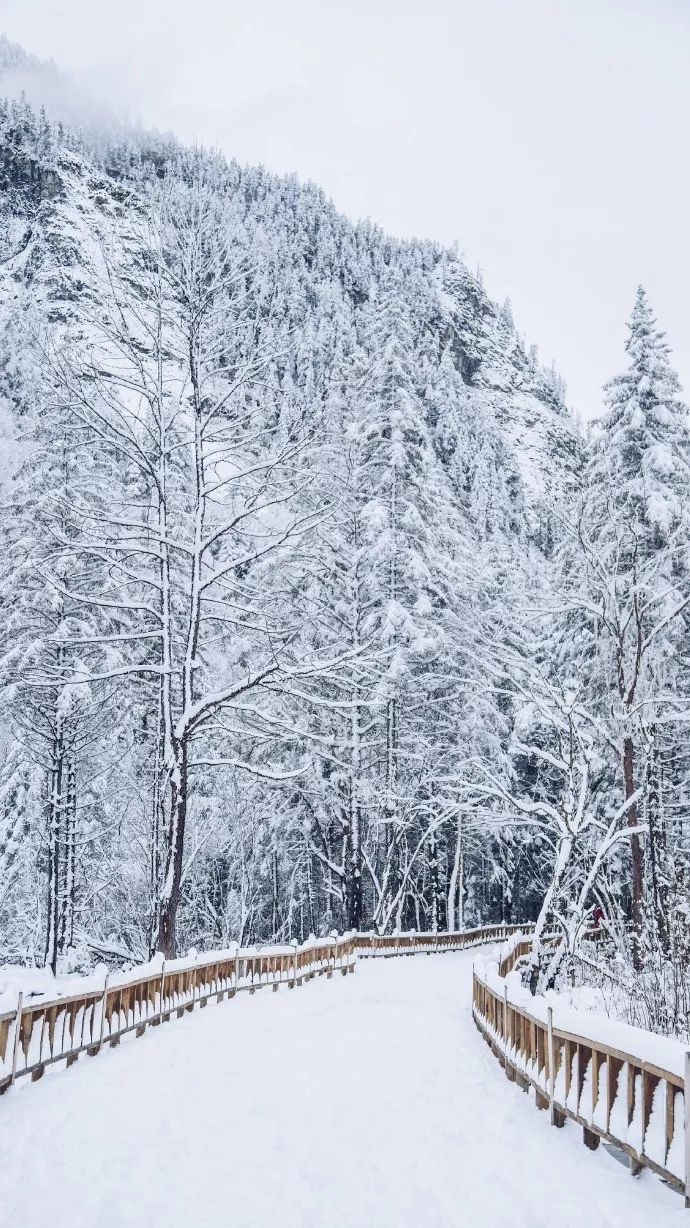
644,444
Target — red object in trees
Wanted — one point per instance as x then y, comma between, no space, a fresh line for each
597,916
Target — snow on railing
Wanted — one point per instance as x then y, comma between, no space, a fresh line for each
38,1031
620,1083
417,943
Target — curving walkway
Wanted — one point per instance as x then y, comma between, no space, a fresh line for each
363,1101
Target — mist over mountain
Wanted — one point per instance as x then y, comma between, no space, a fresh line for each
67,100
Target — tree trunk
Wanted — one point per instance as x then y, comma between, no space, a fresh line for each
167,921
353,860
657,848
635,852
55,842
456,920
311,901
564,852
434,882
354,900
390,827
275,902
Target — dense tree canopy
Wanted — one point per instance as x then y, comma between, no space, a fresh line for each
317,608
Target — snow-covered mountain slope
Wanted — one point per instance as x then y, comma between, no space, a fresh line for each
64,196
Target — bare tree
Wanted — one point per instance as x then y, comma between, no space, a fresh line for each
171,384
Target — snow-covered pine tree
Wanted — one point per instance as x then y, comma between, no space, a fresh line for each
634,538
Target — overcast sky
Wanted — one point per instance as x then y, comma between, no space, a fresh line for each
548,137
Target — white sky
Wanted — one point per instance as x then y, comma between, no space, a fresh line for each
550,138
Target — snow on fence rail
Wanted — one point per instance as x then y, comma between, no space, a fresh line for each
37,1032
416,943
620,1083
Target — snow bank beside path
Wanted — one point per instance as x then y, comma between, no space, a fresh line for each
371,1099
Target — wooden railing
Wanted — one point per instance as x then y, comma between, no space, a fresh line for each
516,952
40,1031
421,943
626,1099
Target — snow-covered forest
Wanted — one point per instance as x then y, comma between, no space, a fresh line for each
319,609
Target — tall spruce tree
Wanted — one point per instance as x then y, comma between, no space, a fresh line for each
635,534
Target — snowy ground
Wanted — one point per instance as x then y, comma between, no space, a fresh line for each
365,1100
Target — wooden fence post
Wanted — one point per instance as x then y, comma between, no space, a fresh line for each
17,1031
162,990
686,1123
555,1116
106,986
511,1073
195,980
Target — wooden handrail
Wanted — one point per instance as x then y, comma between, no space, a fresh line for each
45,1031
631,1102
416,943
36,1034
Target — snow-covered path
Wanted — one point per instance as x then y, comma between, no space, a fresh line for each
366,1100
